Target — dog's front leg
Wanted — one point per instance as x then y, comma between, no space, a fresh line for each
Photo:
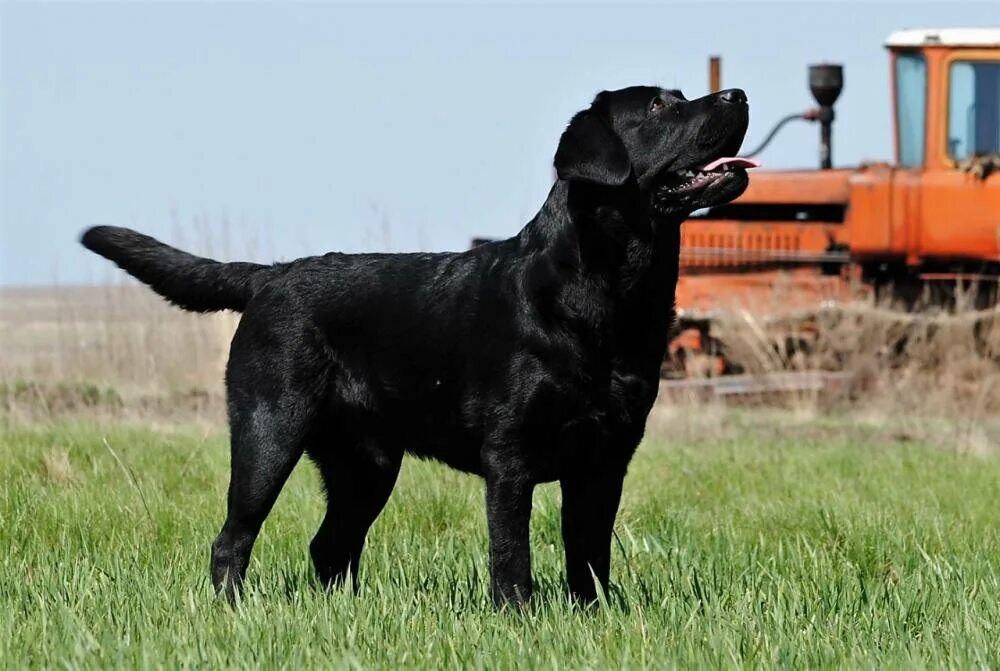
590,504
508,513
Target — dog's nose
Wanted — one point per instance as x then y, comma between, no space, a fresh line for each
733,96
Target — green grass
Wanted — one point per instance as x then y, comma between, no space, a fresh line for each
819,546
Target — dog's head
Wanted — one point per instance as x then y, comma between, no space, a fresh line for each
681,152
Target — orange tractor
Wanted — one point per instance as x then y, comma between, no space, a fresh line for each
919,229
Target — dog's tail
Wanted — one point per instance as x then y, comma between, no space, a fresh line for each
188,281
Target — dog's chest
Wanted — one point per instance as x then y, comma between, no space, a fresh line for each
606,406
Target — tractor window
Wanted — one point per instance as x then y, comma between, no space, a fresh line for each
974,109
911,108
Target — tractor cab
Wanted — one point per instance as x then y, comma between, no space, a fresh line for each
946,96
937,210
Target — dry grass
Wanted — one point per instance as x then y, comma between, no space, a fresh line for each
119,334
120,351
894,360
108,350
56,466
930,376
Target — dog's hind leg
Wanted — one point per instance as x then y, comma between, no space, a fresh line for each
358,483
267,440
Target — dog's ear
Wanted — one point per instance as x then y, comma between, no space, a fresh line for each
590,151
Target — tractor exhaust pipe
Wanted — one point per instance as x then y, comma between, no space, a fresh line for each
826,81
714,74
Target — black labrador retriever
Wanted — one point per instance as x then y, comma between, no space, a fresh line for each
523,361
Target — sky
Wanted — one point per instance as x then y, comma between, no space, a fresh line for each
269,131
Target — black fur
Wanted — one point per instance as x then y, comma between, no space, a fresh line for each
523,361
188,281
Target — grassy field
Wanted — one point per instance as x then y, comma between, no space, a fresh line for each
815,545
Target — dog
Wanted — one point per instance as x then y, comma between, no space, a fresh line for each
523,361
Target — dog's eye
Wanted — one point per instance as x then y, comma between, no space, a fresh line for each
657,105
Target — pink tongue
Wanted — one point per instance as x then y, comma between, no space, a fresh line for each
733,161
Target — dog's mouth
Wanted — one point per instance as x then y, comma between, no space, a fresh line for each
694,180
717,182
